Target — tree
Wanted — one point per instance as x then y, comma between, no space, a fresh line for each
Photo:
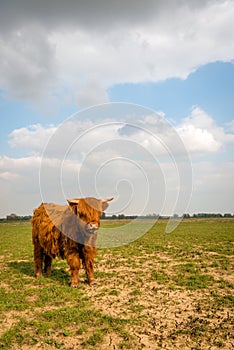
12,217
121,216
227,215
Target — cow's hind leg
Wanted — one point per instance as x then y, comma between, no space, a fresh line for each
47,264
38,259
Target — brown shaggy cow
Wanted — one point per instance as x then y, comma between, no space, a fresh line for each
68,232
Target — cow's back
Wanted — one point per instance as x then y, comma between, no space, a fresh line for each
44,231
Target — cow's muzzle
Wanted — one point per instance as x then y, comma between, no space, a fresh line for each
92,227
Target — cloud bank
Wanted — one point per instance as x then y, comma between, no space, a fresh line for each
198,131
83,48
131,159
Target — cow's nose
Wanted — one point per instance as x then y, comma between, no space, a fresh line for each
92,227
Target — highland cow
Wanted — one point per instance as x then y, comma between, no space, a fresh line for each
68,232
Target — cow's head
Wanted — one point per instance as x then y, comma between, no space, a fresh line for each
89,211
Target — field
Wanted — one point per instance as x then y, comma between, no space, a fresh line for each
163,291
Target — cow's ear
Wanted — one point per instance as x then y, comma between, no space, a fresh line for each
105,203
72,202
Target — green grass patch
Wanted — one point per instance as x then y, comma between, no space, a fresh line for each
190,276
160,276
136,282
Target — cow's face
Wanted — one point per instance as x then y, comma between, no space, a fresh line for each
89,211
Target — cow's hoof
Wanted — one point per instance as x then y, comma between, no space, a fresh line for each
74,285
47,274
92,283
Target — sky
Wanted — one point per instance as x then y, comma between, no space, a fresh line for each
126,99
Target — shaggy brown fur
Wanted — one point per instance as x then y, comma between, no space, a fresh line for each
68,232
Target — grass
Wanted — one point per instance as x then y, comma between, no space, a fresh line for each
161,291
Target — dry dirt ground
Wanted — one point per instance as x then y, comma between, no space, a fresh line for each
162,299
159,317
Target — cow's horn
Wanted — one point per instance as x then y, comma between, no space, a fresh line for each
108,199
73,201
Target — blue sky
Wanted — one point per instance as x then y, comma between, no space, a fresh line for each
210,87
175,63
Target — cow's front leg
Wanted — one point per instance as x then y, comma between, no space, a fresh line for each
88,262
73,261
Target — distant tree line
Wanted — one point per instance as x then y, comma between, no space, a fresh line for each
175,216
209,215
15,217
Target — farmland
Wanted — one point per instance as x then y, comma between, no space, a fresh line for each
170,291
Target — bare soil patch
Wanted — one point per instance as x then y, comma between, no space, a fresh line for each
160,317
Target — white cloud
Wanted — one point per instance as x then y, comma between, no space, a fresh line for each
20,185
198,140
108,42
33,137
91,94
201,134
213,186
77,137
19,189
8,176
80,50
230,126
28,63
16,164
86,157
110,157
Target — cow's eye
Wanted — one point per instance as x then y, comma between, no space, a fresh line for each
83,217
